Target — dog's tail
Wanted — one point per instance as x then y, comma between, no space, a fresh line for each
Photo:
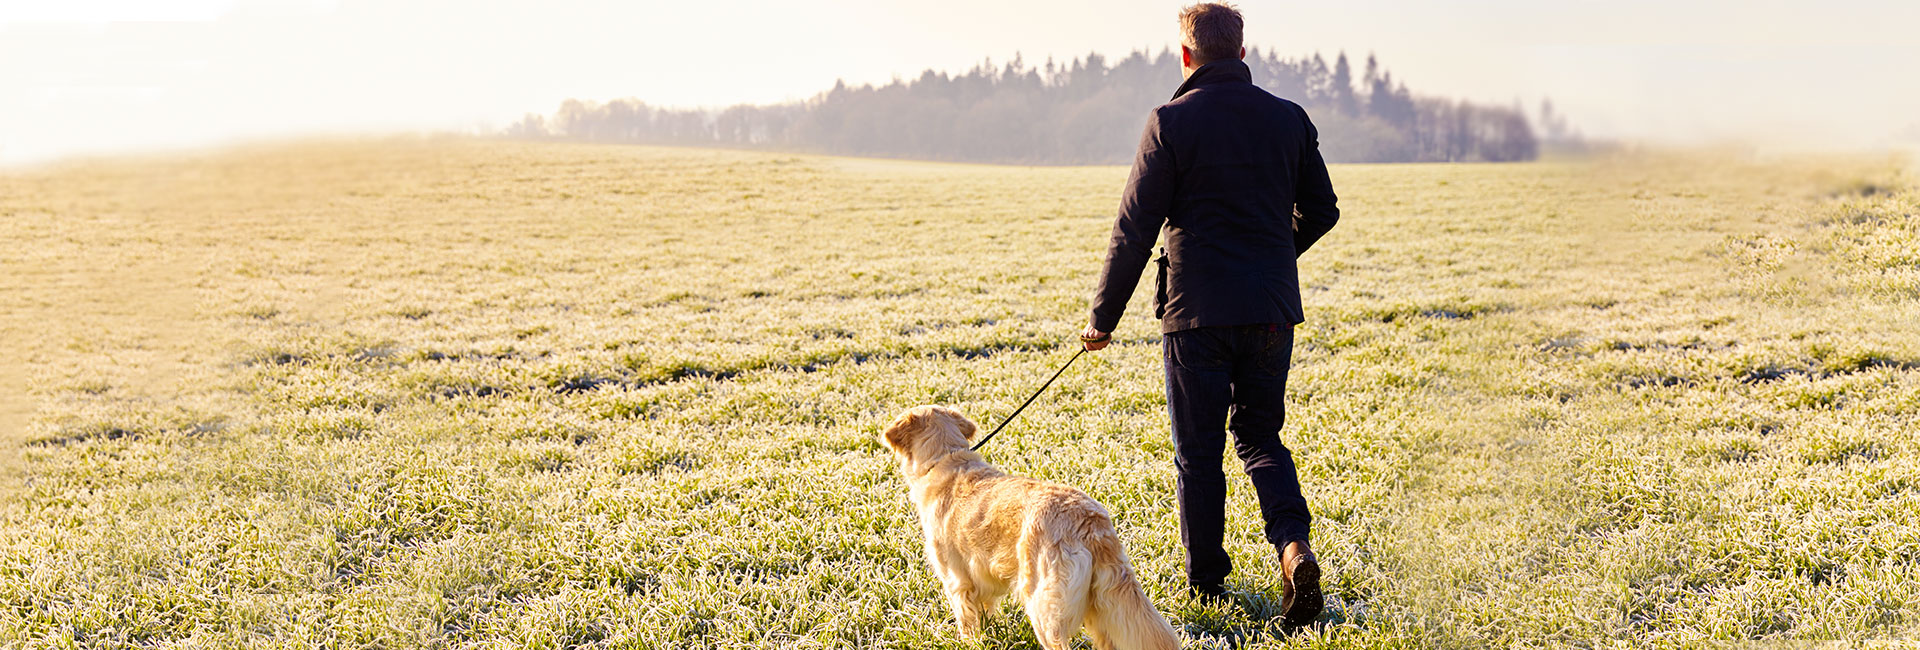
1118,609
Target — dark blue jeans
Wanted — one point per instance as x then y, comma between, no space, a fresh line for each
1220,380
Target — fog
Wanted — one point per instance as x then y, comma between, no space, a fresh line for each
85,77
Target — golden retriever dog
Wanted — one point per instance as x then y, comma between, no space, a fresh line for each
990,534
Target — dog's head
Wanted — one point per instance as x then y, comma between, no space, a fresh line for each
923,435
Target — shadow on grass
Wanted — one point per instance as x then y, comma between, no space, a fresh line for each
1253,618
642,377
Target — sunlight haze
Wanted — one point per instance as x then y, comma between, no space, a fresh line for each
101,76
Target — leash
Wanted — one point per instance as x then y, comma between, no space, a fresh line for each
1036,394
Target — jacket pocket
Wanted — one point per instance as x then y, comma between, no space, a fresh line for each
1160,285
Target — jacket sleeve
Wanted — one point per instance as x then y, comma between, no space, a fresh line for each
1313,194
1143,209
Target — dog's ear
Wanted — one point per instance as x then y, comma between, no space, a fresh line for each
967,428
897,434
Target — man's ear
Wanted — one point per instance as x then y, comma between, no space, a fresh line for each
1186,57
1243,53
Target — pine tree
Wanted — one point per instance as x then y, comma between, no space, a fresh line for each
1341,87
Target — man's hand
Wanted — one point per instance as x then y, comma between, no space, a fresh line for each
1095,339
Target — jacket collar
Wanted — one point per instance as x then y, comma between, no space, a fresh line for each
1216,72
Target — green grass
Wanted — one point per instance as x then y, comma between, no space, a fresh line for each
460,393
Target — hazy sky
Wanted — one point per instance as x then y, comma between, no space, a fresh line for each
81,76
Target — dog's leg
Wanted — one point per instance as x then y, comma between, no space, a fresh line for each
959,589
1055,616
967,612
1098,636
1057,598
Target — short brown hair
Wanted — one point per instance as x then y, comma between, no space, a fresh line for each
1213,30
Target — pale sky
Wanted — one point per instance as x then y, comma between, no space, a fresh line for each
103,76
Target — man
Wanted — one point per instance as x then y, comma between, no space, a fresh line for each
1235,176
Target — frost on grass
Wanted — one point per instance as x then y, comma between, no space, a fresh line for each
466,394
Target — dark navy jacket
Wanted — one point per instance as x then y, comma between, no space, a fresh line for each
1222,167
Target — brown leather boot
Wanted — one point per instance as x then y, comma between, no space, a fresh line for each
1300,598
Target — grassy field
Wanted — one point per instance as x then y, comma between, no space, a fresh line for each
458,393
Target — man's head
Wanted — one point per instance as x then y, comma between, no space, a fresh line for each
1209,32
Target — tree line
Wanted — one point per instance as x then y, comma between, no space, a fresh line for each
1087,111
